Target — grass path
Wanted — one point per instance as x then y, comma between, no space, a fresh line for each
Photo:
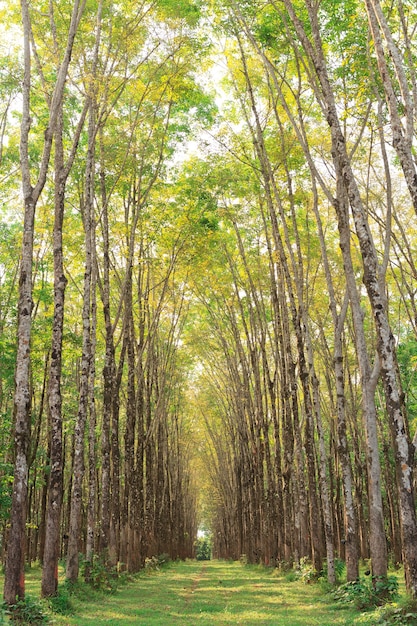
211,593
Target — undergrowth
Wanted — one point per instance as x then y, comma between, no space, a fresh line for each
99,574
27,611
363,595
306,573
102,580
403,613
367,593
61,603
154,563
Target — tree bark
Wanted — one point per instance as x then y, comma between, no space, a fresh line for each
385,340
14,572
53,517
72,568
402,137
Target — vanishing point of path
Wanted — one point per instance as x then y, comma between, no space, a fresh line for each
211,593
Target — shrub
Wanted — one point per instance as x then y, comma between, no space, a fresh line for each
152,564
61,602
285,566
99,574
339,567
367,593
291,577
306,572
163,558
402,614
27,611
203,549
3,614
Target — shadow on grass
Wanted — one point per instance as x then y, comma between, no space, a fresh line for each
215,592
204,593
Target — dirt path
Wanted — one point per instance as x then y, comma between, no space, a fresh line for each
189,591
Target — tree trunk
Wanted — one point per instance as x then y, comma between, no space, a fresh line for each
399,99
350,540
72,568
385,340
92,464
53,517
14,571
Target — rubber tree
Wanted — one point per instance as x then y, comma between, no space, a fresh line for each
14,571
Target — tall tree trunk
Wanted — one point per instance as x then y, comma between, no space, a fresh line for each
53,516
399,98
92,489
92,478
351,542
385,340
109,375
14,571
72,568
378,543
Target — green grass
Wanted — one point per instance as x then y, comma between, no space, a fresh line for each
206,593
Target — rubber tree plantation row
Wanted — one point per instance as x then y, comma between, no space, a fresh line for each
208,314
